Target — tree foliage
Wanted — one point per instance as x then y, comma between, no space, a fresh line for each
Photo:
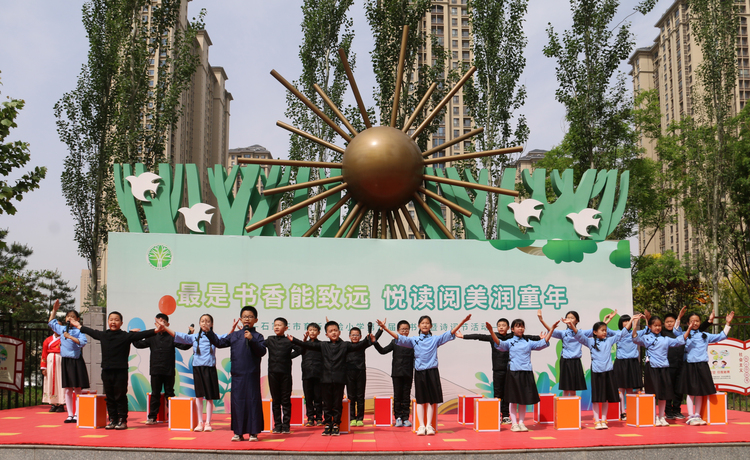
117,113
495,96
14,155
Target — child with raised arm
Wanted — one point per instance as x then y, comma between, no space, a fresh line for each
520,386
676,356
115,345
627,368
74,375
696,380
247,348
657,379
280,354
334,371
500,360
427,387
161,363
402,374
603,387
356,379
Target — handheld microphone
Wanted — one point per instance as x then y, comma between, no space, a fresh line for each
369,327
247,341
192,326
67,326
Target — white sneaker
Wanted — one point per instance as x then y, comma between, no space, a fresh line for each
253,438
515,427
701,421
664,422
207,428
421,431
598,425
430,430
237,438
198,427
522,426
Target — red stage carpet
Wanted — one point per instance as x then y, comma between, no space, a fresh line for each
36,426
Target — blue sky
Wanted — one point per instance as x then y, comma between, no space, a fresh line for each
43,45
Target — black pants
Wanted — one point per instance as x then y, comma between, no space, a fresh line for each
313,399
498,383
333,395
115,382
355,390
402,397
674,406
280,384
159,381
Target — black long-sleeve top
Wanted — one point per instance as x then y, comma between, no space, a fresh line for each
402,364
116,345
312,363
500,359
334,357
162,345
281,351
355,360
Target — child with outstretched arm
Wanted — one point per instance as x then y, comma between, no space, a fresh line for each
402,374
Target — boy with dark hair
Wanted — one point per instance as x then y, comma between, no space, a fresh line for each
312,371
280,354
115,345
161,364
247,348
334,371
402,373
356,379
500,362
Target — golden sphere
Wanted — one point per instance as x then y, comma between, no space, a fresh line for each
383,168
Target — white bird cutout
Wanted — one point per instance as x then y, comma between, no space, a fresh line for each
525,210
583,220
146,181
196,214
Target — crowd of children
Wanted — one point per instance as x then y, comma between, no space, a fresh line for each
676,364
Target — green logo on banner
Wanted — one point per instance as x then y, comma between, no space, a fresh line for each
3,354
159,256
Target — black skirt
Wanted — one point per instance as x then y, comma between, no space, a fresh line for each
74,373
520,388
603,387
206,382
659,383
696,380
627,373
427,387
571,375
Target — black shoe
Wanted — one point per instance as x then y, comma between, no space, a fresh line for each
61,408
669,416
286,430
276,430
123,425
111,425
335,430
70,420
327,431
53,409
623,416
679,416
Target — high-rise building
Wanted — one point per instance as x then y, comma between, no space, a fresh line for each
669,67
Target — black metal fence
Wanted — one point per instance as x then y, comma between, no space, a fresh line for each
33,333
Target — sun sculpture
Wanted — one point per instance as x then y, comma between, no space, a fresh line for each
383,168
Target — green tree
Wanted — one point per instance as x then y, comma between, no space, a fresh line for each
114,114
494,96
52,287
598,107
19,297
326,28
14,155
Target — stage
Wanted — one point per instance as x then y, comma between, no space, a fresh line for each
35,433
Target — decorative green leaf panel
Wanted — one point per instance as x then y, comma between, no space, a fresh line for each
234,209
125,198
460,196
269,204
507,228
300,218
431,230
158,209
332,225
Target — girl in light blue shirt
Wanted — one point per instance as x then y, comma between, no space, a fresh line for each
696,380
520,386
427,388
73,372
627,368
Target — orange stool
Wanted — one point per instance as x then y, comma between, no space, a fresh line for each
162,415
641,410
383,411
714,409
415,422
183,414
298,411
345,416
466,408
487,414
267,415
544,410
568,413
92,411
